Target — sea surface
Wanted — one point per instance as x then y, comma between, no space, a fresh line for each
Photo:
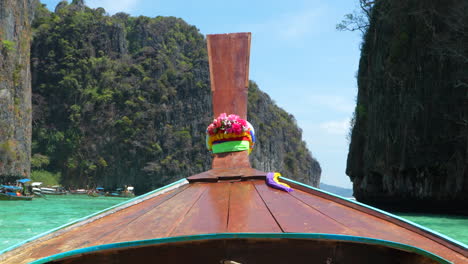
21,220
452,226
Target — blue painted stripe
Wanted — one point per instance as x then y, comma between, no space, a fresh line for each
451,240
311,236
91,215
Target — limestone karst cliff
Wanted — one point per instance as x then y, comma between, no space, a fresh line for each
15,87
126,100
409,143
280,147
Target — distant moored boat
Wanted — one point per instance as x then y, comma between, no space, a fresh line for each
8,193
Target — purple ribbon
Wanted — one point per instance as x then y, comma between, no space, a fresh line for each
270,181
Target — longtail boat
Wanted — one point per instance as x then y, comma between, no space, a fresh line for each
13,193
232,213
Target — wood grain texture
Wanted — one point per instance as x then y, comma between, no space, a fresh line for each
228,56
222,174
294,216
160,221
209,214
248,206
85,235
369,226
238,159
391,228
247,211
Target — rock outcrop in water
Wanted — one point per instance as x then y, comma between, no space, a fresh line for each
15,87
409,144
126,100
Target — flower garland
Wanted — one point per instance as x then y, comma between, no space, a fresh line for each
231,124
229,133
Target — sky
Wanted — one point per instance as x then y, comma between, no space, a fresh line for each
297,56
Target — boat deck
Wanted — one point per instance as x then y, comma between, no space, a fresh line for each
248,206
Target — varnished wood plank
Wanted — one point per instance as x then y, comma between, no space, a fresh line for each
221,174
209,213
371,226
361,223
206,176
159,221
388,218
214,175
247,212
295,216
238,159
88,234
83,235
228,56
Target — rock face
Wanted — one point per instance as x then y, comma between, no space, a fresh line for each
126,100
280,146
15,87
409,144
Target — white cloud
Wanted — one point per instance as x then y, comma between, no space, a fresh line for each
335,127
114,6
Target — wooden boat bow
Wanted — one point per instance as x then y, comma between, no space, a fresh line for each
229,215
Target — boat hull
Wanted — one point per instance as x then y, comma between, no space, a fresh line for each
6,197
249,249
52,191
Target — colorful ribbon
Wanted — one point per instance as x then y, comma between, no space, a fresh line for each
272,180
218,143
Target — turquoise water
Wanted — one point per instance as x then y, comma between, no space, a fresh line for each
455,227
21,220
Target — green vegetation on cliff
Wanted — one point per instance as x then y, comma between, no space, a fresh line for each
410,137
125,100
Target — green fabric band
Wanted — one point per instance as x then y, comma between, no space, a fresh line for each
231,146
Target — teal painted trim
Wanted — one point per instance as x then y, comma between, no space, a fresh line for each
89,216
451,240
312,236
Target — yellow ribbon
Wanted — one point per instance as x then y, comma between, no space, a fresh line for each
221,136
276,179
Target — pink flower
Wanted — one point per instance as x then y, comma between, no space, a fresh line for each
236,128
232,117
216,123
211,127
227,124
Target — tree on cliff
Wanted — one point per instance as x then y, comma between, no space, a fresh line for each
359,19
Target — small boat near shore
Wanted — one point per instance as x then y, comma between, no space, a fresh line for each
122,192
9,193
40,191
54,190
127,192
79,192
